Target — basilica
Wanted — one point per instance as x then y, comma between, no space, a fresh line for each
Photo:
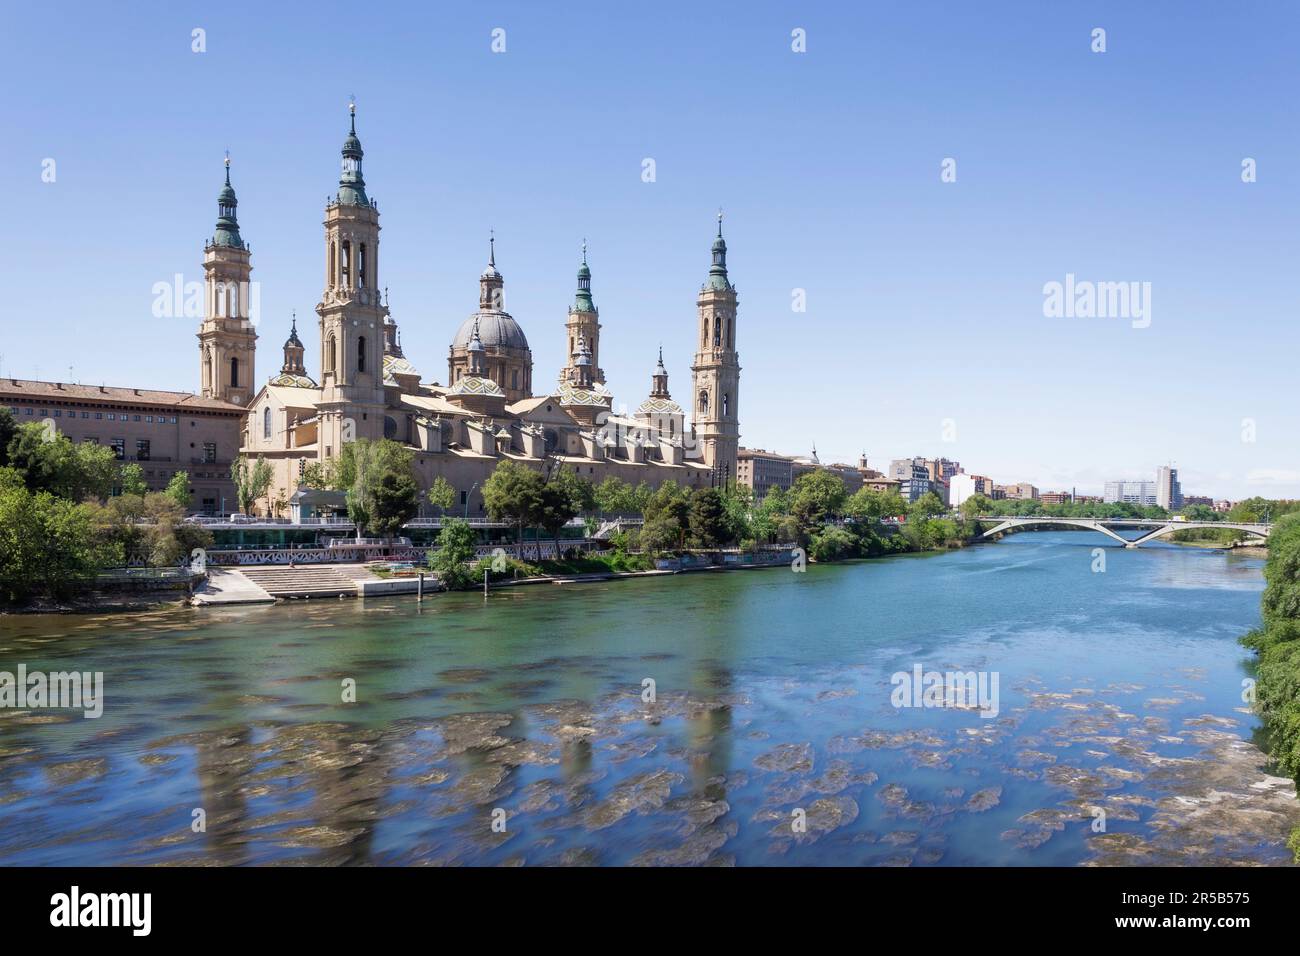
490,408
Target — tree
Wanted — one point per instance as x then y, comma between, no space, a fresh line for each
49,462
552,510
816,497
927,506
251,481
452,558
384,494
47,543
131,480
511,494
668,510
976,505
178,489
707,518
614,495
864,506
8,428
580,491
833,544
322,475
738,503
441,494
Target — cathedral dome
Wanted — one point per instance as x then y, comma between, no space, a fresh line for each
495,330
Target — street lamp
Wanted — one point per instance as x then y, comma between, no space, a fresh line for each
469,494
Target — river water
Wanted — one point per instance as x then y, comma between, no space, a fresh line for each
516,729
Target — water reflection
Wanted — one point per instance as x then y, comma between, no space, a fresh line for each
1120,701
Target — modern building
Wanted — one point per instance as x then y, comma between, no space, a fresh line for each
1022,491
761,470
1130,492
1169,493
960,487
912,475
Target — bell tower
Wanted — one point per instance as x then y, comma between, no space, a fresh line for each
227,340
351,312
583,324
715,373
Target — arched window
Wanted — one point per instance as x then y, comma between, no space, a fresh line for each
266,423
361,265
329,355
705,339
361,353
704,403
717,333
347,263
234,373
334,263
514,378
726,404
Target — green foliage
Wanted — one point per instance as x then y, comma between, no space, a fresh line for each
383,494
8,428
52,463
252,479
454,553
667,518
441,494
1277,642
131,480
503,569
511,494
816,497
323,475
47,544
833,544
707,519
178,489
1293,844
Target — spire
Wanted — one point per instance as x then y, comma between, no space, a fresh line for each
475,350
659,380
352,185
718,271
227,232
582,364
490,283
293,351
582,298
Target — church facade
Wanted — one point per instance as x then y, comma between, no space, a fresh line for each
491,408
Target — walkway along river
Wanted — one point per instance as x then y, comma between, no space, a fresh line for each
519,728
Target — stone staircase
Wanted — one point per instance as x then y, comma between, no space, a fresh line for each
304,581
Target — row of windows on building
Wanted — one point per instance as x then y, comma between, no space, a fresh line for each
142,448
100,416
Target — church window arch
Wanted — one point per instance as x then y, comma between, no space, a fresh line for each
234,373
361,353
266,423
726,404
329,354
704,401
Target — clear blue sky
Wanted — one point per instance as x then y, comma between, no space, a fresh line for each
924,299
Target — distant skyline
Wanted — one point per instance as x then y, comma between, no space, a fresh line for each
925,314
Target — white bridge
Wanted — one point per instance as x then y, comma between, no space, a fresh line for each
1158,527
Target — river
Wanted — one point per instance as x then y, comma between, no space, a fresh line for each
516,729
